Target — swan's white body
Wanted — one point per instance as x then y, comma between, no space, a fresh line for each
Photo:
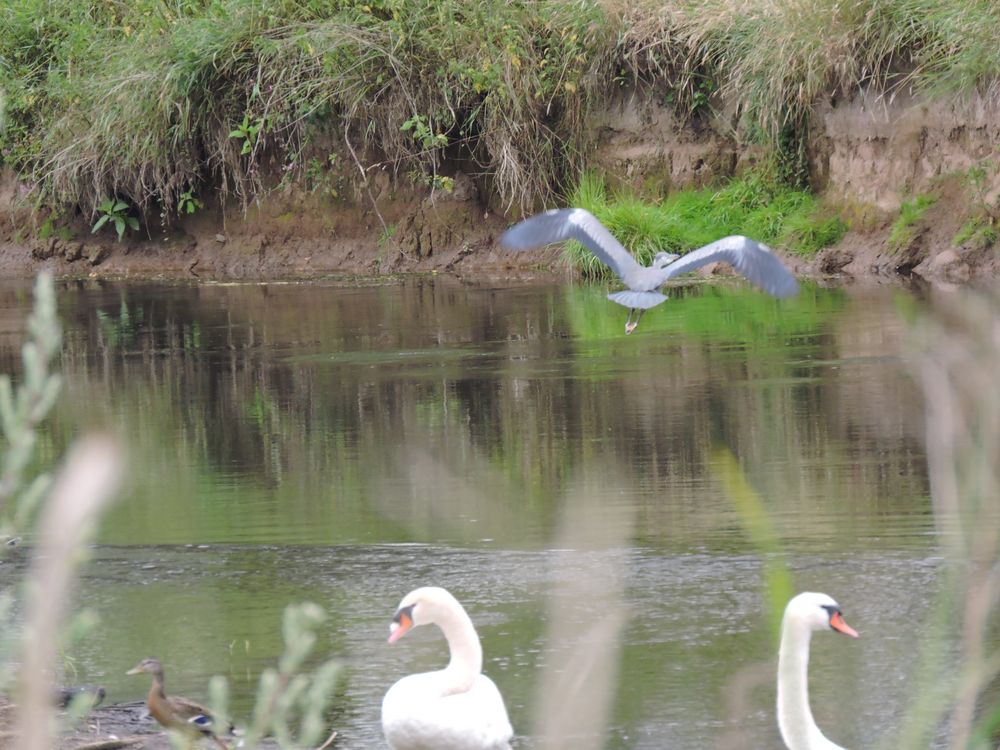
455,708
804,614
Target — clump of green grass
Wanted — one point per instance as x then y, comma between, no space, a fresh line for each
978,232
756,205
980,227
904,229
808,234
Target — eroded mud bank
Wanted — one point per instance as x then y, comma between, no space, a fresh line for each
867,155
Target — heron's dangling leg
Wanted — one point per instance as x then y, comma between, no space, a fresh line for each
631,324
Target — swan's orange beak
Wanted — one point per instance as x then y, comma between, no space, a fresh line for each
400,624
838,624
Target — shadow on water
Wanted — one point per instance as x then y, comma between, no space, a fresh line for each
344,443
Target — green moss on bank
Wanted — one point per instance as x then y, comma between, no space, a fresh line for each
147,100
907,224
756,205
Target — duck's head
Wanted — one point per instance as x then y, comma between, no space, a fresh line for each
421,606
817,612
148,666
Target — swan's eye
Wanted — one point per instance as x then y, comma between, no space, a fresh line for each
831,609
404,614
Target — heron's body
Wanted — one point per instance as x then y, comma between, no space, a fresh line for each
751,259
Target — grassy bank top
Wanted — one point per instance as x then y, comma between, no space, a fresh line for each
150,100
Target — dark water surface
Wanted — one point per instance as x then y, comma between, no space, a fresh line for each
346,441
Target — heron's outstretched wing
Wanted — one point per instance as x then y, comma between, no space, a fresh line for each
751,259
577,224
637,300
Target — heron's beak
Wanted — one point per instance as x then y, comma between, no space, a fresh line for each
838,624
397,629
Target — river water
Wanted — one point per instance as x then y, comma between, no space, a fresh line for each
345,441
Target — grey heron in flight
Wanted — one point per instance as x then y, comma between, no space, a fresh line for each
751,259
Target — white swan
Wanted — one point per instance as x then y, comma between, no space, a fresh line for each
455,708
804,614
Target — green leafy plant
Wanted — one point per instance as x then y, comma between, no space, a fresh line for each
115,211
809,234
320,175
433,181
385,236
441,182
701,94
188,203
248,131
423,132
285,694
22,408
977,180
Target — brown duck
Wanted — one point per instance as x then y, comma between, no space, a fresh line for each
173,712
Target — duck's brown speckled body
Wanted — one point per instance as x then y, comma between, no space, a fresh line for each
172,711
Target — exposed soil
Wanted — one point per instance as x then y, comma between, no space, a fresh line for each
290,234
867,155
126,725
927,251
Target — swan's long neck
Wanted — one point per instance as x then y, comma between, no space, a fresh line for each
795,719
466,652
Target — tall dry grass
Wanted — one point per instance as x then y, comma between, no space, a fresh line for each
958,358
151,114
141,100
85,486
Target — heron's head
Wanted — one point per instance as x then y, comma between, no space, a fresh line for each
662,260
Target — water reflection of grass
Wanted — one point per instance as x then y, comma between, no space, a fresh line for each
761,532
726,311
390,357
247,444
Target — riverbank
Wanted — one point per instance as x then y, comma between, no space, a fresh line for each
254,140
914,182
